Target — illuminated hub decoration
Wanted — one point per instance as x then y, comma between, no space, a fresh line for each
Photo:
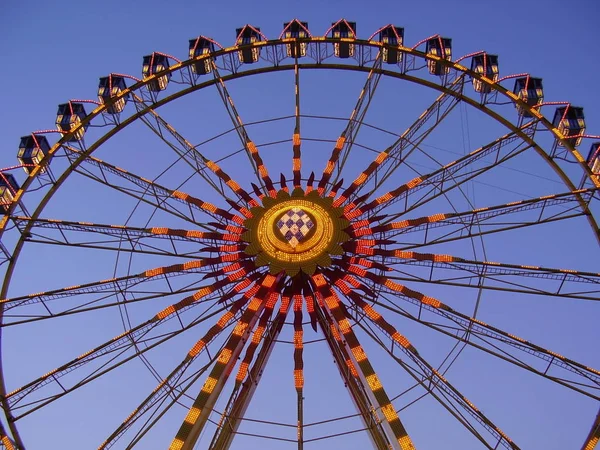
295,233
295,225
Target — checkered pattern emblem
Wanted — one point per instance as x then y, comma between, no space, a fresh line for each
294,225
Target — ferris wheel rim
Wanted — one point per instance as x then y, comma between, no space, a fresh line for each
494,86
259,71
263,70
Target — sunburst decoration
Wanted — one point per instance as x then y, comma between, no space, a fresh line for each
295,233
321,249
315,249
309,251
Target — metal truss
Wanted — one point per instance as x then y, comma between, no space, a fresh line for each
237,309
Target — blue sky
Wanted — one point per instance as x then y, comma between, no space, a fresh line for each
53,53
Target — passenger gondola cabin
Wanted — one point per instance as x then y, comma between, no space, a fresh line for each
8,190
347,32
295,30
199,47
486,65
442,48
153,64
393,37
530,90
593,159
110,87
69,116
570,121
32,150
245,37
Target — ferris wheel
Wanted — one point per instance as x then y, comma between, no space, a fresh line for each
293,270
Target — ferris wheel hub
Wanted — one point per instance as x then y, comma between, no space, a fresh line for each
295,233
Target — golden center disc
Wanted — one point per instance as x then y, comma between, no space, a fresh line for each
276,246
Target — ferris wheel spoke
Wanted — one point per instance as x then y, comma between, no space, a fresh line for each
395,155
191,155
426,224
482,280
155,240
131,337
5,442
558,282
202,165
296,141
448,177
359,357
298,300
452,178
438,387
198,414
248,376
594,436
119,284
180,145
115,353
113,245
465,225
346,140
146,286
262,174
350,377
503,352
350,374
104,299
502,344
100,302
428,376
472,230
356,119
161,406
171,382
194,210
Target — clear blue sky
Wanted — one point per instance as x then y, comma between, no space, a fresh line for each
54,52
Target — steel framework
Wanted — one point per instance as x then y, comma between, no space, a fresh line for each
379,251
